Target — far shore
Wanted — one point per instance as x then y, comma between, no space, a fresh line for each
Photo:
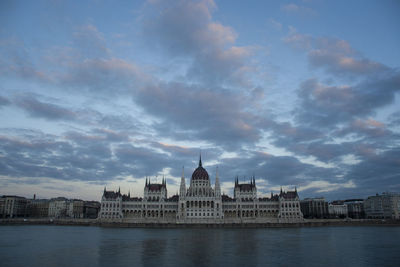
95,222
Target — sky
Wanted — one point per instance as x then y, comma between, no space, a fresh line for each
298,94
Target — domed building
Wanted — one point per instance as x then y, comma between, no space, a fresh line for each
201,203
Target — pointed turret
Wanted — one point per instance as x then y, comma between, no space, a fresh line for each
119,190
129,194
182,190
217,188
105,189
200,164
272,195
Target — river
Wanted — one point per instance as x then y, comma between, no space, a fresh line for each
43,245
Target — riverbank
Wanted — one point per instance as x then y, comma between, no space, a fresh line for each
95,222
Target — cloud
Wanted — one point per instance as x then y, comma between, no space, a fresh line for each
49,111
334,55
297,9
324,186
214,115
77,157
112,76
275,24
17,62
4,101
325,106
394,119
277,170
379,172
186,29
90,42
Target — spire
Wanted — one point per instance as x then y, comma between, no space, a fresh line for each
217,188
182,190
129,193
146,181
104,189
271,194
200,164
281,189
119,190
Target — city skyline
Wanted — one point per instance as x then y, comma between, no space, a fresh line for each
295,93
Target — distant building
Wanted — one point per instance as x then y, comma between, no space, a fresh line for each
13,206
91,209
75,209
384,206
62,208
314,208
355,208
111,205
201,203
38,208
59,207
2,205
337,209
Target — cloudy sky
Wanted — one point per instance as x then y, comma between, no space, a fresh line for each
102,93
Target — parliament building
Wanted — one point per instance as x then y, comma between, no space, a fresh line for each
201,203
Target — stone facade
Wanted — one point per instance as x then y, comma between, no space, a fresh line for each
384,206
58,207
355,208
13,206
314,208
201,203
38,208
338,210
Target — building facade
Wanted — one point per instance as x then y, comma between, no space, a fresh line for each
338,209
38,208
315,208
355,208
59,207
384,206
13,206
200,203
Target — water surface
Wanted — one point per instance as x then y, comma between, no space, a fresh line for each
37,245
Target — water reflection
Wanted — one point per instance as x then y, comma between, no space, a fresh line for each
92,246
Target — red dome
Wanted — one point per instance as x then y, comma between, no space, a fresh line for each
200,174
